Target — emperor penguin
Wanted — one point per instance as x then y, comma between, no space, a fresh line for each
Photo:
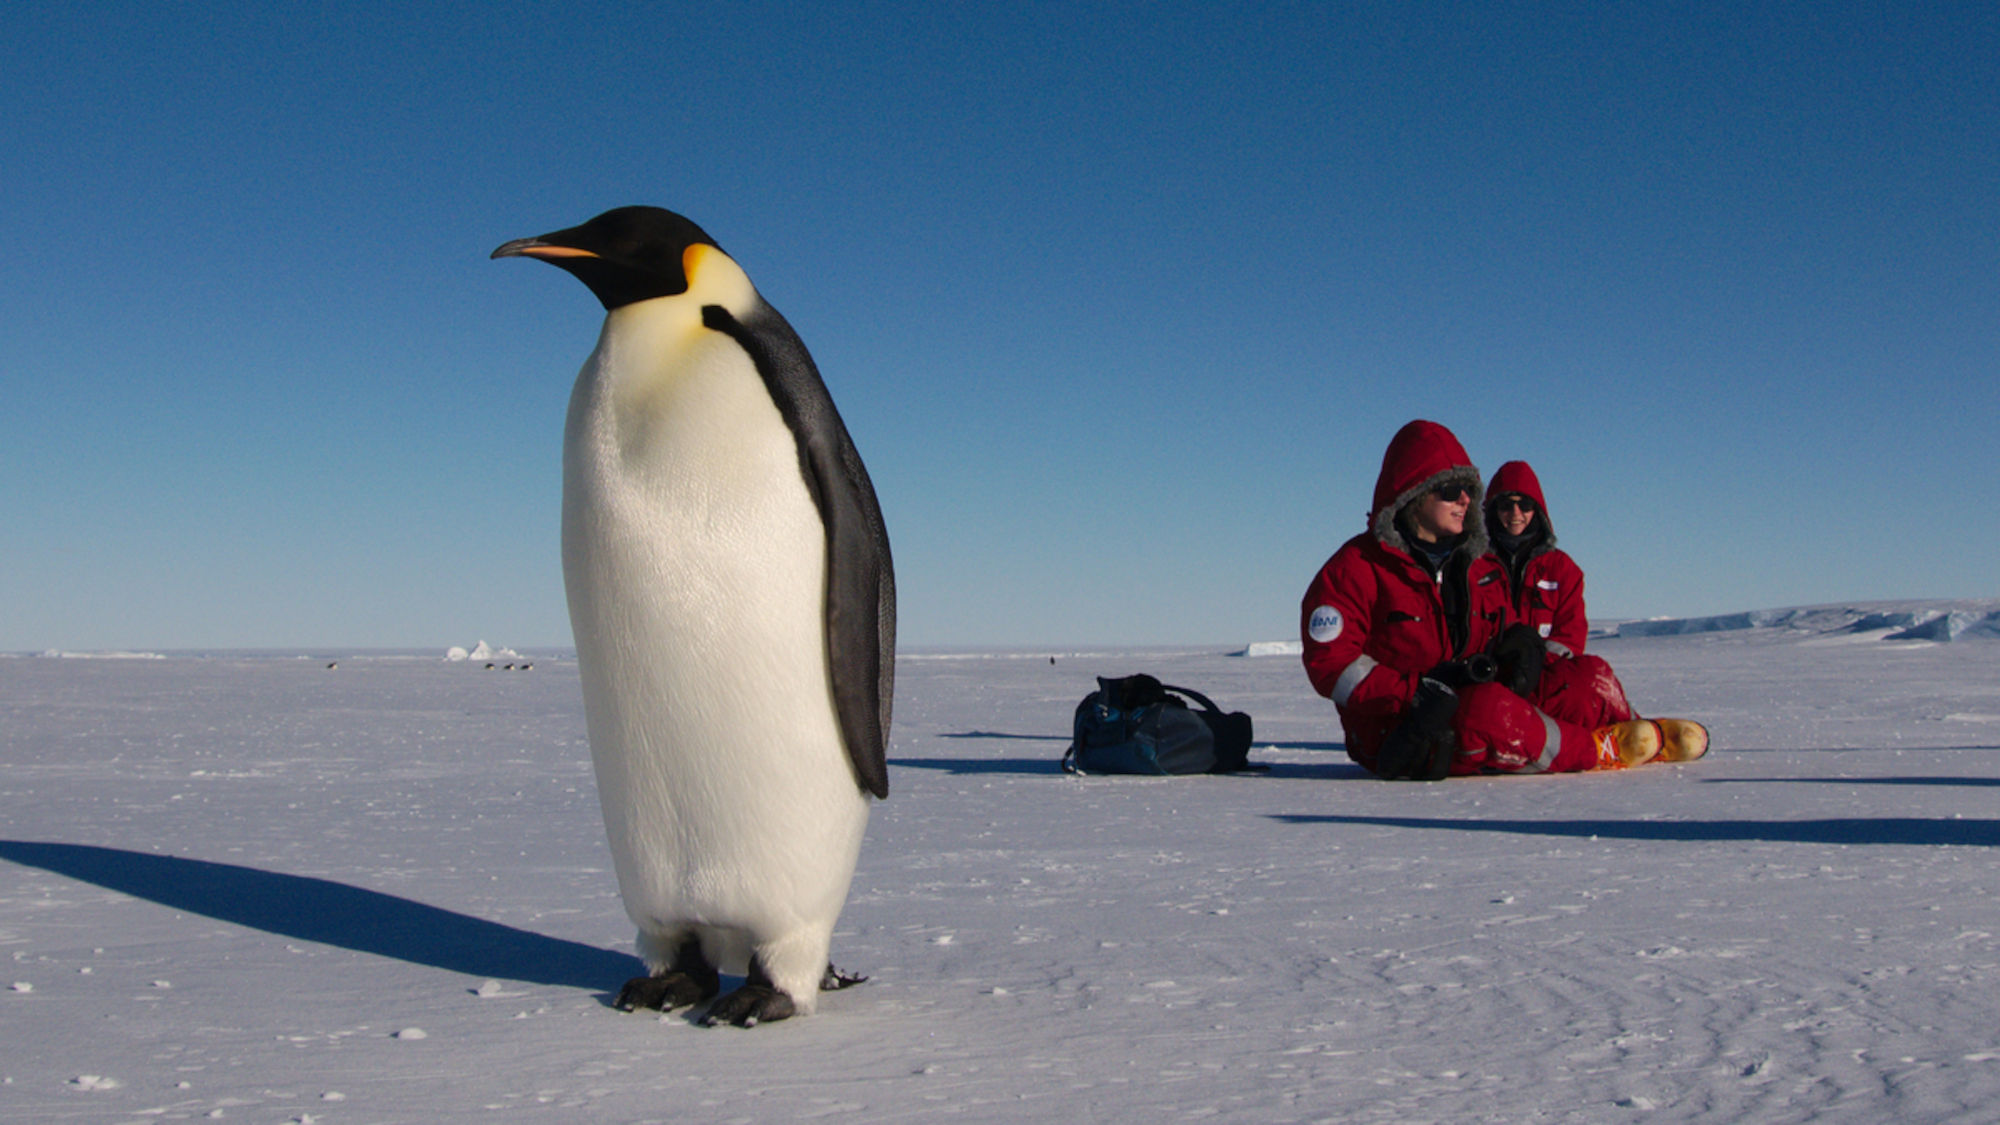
734,609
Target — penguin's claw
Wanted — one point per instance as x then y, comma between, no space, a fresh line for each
835,980
749,1006
662,993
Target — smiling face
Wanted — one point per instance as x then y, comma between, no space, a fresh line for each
1440,513
1515,512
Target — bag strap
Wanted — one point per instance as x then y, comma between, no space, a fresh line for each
1207,704
1129,693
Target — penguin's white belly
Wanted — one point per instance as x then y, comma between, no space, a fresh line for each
695,561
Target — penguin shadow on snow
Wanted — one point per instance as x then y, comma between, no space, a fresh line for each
336,914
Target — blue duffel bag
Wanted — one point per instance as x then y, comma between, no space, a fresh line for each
1136,724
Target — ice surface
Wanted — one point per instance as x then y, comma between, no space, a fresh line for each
253,887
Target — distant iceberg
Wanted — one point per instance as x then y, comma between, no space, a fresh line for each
480,651
1950,626
1682,626
1274,648
1900,621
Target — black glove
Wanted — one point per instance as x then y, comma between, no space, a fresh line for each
1422,745
1519,654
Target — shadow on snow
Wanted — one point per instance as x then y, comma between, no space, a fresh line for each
1064,738
1340,771
320,910
982,765
1053,764
1004,734
1838,830
1972,781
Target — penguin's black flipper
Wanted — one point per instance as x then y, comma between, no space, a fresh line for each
860,579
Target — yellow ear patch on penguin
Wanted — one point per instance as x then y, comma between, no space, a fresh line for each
671,329
714,278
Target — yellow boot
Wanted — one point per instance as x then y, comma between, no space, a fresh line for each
1624,745
1681,740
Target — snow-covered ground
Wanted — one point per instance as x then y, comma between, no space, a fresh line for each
261,889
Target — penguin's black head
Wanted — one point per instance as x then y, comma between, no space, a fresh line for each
625,255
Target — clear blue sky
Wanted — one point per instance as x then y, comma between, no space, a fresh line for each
1121,302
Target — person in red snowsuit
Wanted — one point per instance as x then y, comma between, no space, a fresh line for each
1398,626
1544,585
1545,594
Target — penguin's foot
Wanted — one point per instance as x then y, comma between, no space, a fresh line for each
835,980
671,989
749,1006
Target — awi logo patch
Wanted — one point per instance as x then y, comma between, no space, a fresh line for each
1324,624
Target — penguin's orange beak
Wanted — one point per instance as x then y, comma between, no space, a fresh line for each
536,248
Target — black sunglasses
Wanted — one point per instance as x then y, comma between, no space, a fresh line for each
1449,493
1521,502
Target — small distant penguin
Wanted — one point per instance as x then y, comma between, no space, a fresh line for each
734,609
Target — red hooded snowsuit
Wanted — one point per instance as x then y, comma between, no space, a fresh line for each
1374,620
1547,593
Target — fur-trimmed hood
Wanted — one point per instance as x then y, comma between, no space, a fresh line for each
1420,457
1517,476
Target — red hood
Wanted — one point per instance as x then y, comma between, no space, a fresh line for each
1516,476
1421,456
